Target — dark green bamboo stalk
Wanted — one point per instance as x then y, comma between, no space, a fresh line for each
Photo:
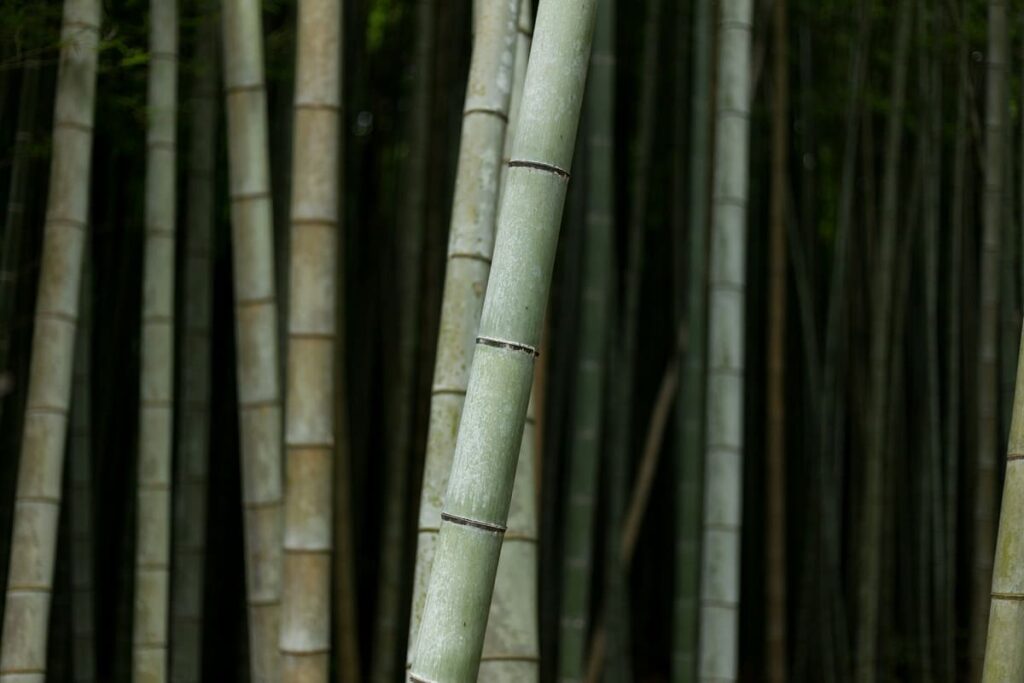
490,434
985,457
585,449
870,540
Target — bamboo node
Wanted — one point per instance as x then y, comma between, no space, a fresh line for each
475,523
506,344
539,166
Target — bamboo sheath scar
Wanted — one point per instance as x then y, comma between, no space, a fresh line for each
477,500
309,419
259,395
38,493
723,483
470,243
156,391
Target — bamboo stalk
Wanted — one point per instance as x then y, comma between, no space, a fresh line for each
305,638
490,434
156,388
987,416
511,650
80,468
259,396
470,244
193,426
590,371
1004,658
38,493
720,585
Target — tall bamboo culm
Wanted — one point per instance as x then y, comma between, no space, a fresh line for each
511,651
775,583
38,493
401,399
156,384
720,575
193,417
479,491
690,406
259,394
470,243
988,311
309,417
1004,657
83,635
589,381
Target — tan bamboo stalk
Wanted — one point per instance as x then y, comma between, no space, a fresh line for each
776,399
1004,656
38,493
259,395
309,418
987,415
156,384
193,418
83,641
470,242
720,584
511,645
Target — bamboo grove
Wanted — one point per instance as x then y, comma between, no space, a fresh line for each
447,341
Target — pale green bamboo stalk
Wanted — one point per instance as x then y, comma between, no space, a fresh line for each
869,579
987,415
256,332
720,574
1004,656
511,651
83,641
470,243
689,464
193,419
38,493
309,419
156,384
590,370
490,435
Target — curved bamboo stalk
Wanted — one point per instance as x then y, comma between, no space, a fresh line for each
193,425
309,421
689,459
259,395
720,572
987,416
490,434
590,373
38,494
470,243
156,389
1004,657
83,640
511,650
